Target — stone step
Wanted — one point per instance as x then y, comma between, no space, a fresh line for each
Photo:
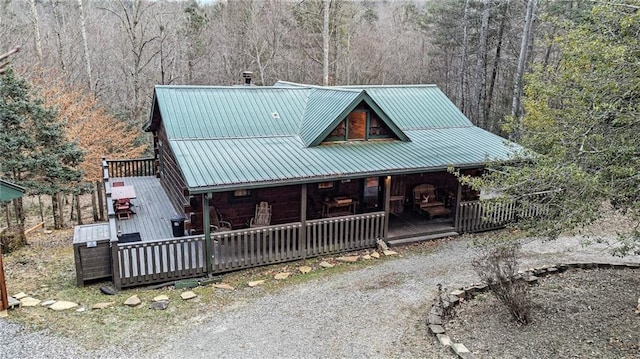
404,241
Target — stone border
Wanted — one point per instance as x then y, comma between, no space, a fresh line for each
434,318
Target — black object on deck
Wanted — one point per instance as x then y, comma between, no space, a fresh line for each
177,224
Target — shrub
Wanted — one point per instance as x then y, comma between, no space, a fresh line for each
498,267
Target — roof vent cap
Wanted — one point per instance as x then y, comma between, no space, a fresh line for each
275,115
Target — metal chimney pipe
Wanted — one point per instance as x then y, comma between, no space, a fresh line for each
247,77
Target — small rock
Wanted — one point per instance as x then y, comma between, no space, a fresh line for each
20,295
389,253
223,286
433,319
162,297
348,259
281,276
444,339
81,310
47,303
188,295
458,293
325,264
107,290
133,301
46,231
255,283
62,305
102,305
159,305
366,257
382,245
4,313
29,301
304,269
375,255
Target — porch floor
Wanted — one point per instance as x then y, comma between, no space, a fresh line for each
410,224
153,210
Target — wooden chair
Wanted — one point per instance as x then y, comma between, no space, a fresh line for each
263,215
425,201
216,223
123,208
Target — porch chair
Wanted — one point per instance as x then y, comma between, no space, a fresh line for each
216,223
262,216
123,208
425,201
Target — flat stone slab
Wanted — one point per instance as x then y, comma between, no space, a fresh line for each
436,329
223,286
132,301
304,269
434,319
29,301
282,276
161,297
188,295
47,303
375,255
366,257
389,253
20,295
444,339
62,305
325,264
459,348
458,293
102,305
159,305
348,259
255,283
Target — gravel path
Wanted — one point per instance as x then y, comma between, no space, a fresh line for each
377,311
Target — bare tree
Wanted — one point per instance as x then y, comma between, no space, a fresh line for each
36,30
522,58
479,88
85,46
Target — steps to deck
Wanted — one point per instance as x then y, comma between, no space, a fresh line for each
409,240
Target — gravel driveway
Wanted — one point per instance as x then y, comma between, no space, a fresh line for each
376,311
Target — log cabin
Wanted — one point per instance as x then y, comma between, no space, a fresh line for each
244,176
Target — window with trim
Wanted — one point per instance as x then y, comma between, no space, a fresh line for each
360,125
241,195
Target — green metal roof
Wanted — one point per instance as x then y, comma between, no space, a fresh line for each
9,191
246,136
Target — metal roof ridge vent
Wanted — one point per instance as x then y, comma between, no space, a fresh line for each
275,115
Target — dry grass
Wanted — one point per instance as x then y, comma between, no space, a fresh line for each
45,270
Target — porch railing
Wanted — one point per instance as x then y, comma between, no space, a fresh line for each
477,216
132,168
149,262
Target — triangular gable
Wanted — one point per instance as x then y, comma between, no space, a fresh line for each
327,108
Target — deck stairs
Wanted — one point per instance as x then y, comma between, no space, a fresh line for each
443,233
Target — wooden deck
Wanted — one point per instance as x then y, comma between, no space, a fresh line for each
153,210
410,224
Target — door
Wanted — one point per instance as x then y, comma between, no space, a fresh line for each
371,195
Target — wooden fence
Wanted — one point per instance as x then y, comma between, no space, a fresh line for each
159,261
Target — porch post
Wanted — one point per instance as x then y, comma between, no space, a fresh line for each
458,198
387,203
206,223
303,219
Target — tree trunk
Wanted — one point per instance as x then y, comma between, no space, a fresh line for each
85,43
41,208
325,43
100,195
481,69
36,31
58,30
496,64
522,60
94,206
463,58
78,209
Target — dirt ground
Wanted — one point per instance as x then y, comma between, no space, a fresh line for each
576,314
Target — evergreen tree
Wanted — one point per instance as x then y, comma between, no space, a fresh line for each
34,150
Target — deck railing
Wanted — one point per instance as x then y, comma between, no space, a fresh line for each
160,261
132,168
484,215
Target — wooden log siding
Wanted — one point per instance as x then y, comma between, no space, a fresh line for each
161,261
132,168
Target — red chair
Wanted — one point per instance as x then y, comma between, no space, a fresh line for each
123,208
117,184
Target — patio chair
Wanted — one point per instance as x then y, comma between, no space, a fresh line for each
263,215
216,223
123,208
425,201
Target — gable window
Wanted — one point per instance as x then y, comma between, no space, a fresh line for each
357,125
